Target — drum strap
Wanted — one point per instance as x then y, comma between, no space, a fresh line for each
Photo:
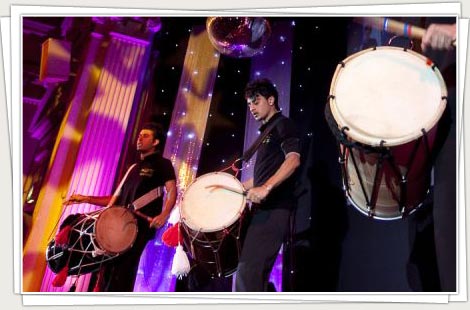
118,189
147,198
251,151
143,200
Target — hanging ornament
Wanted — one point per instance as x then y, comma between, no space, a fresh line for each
238,36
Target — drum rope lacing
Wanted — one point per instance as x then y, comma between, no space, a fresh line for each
202,239
234,167
346,146
96,249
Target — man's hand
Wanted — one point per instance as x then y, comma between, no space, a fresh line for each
75,198
158,221
439,36
257,194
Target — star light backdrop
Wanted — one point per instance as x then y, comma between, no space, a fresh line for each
79,136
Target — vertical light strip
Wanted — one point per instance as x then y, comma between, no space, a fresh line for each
183,147
275,64
101,146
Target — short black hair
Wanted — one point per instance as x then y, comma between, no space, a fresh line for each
263,87
157,130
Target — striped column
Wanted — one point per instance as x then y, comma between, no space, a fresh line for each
101,146
48,208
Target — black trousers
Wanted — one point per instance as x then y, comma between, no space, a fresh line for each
266,232
120,273
445,209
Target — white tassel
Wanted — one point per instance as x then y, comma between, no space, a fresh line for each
180,265
174,215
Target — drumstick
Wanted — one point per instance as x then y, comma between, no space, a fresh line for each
233,190
393,26
143,216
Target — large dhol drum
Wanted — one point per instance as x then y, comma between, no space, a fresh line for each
212,213
384,107
94,238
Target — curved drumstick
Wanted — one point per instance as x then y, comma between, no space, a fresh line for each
230,189
393,26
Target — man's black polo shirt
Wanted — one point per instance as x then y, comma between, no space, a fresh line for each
282,139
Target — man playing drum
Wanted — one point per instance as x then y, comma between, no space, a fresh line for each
437,44
150,172
271,189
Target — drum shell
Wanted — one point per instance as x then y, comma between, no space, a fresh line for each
77,254
83,252
414,164
217,252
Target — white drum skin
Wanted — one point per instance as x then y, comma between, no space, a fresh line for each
387,94
207,208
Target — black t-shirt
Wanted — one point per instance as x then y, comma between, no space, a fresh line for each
151,172
282,139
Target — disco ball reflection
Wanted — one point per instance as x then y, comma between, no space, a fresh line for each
238,36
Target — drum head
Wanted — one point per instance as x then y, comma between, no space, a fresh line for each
206,207
116,230
387,94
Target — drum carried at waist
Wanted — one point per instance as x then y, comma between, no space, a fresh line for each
91,239
212,216
384,107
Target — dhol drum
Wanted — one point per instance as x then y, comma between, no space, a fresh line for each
212,216
94,238
384,107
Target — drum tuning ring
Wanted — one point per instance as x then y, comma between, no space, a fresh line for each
390,41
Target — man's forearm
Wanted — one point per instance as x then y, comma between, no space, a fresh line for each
288,167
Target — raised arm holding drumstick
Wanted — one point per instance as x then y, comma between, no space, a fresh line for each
435,36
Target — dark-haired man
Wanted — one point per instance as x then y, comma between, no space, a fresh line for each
150,172
270,190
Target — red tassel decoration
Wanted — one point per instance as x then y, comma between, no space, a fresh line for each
172,237
60,278
62,237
